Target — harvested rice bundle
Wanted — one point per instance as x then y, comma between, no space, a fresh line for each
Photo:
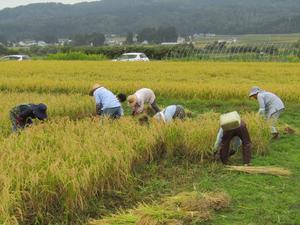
184,208
289,130
277,171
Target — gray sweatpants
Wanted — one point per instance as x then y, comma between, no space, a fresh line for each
155,106
274,118
179,113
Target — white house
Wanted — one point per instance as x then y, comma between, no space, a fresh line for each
64,41
169,43
41,44
27,43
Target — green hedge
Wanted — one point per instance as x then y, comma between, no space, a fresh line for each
75,56
157,52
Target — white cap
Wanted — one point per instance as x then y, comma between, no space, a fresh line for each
254,90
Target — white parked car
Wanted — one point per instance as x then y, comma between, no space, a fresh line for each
132,56
15,58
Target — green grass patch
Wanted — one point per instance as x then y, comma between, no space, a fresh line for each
256,199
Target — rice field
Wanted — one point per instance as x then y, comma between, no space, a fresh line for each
168,79
55,171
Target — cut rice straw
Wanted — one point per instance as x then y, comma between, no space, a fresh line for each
183,208
277,171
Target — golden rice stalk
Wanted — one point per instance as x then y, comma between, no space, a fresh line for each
184,208
198,202
277,171
167,79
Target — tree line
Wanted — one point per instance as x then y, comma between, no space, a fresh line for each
151,35
115,17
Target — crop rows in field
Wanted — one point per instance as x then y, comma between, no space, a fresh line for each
54,171
167,79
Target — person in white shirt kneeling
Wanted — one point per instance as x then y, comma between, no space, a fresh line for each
171,113
141,97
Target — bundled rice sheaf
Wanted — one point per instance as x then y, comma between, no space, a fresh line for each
277,171
289,130
200,204
147,220
182,209
156,215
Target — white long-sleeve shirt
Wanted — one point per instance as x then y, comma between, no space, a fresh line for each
169,112
269,103
144,95
166,114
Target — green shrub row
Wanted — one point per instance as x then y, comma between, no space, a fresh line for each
75,56
157,52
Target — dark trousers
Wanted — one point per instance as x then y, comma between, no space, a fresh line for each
243,134
155,107
179,113
21,125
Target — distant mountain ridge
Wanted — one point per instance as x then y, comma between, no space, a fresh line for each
120,16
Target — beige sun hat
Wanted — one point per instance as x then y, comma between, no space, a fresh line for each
132,99
94,87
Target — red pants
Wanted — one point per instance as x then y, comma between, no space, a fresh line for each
243,134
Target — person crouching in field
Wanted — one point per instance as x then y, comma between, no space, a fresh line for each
21,115
107,104
139,98
239,135
171,113
270,106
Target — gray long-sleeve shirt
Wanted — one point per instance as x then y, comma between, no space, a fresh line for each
269,103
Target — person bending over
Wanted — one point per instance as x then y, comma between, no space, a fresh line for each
21,115
107,104
270,106
138,100
235,130
171,113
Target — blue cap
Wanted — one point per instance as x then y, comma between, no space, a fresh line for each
40,111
